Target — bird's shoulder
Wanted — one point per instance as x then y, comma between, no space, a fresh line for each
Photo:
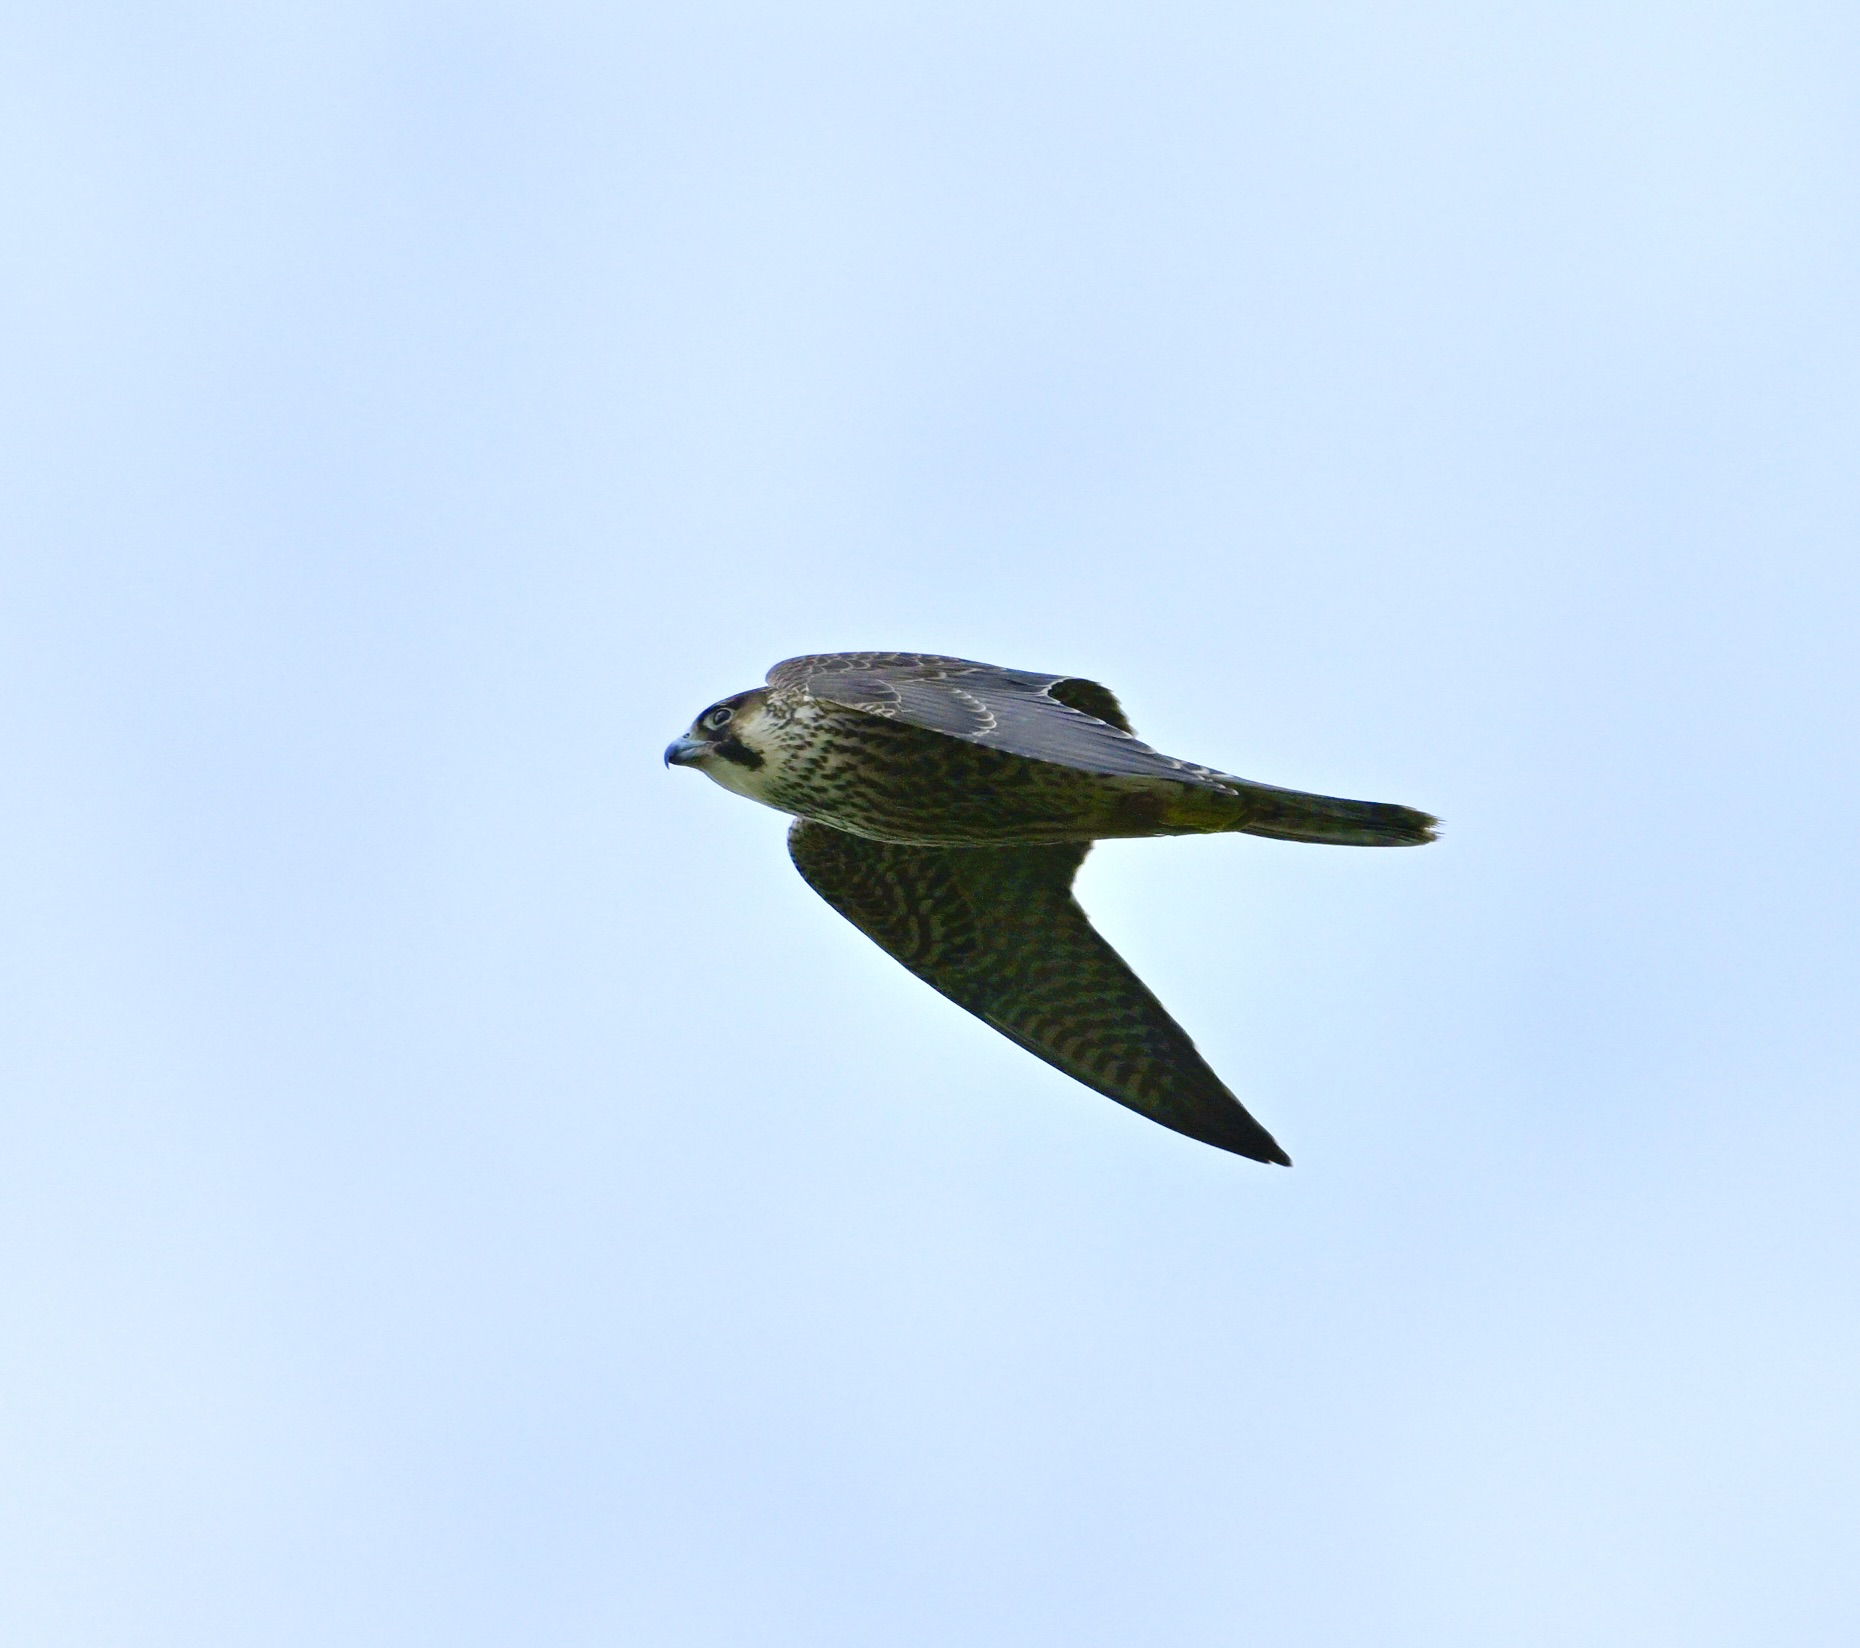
1068,720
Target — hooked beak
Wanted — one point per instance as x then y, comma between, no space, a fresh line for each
681,752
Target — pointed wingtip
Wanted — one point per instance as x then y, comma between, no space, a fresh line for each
1258,1146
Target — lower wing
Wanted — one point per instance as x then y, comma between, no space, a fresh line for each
997,930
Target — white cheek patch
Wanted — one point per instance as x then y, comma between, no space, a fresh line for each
751,729
744,781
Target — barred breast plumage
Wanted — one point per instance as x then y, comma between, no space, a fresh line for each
943,806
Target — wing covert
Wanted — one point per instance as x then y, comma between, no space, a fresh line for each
1064,719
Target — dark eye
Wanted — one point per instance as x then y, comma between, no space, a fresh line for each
721,716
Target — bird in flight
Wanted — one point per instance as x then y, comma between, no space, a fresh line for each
944,806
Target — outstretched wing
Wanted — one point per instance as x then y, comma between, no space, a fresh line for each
997,930
1060,718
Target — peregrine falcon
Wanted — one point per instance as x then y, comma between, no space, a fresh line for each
944,806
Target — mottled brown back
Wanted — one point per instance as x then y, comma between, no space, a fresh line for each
1069,722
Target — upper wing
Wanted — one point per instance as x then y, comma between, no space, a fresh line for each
1059,718
996,929
1076,723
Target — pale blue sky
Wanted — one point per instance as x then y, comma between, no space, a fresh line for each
458,1186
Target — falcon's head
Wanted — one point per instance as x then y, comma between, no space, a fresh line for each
725,742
